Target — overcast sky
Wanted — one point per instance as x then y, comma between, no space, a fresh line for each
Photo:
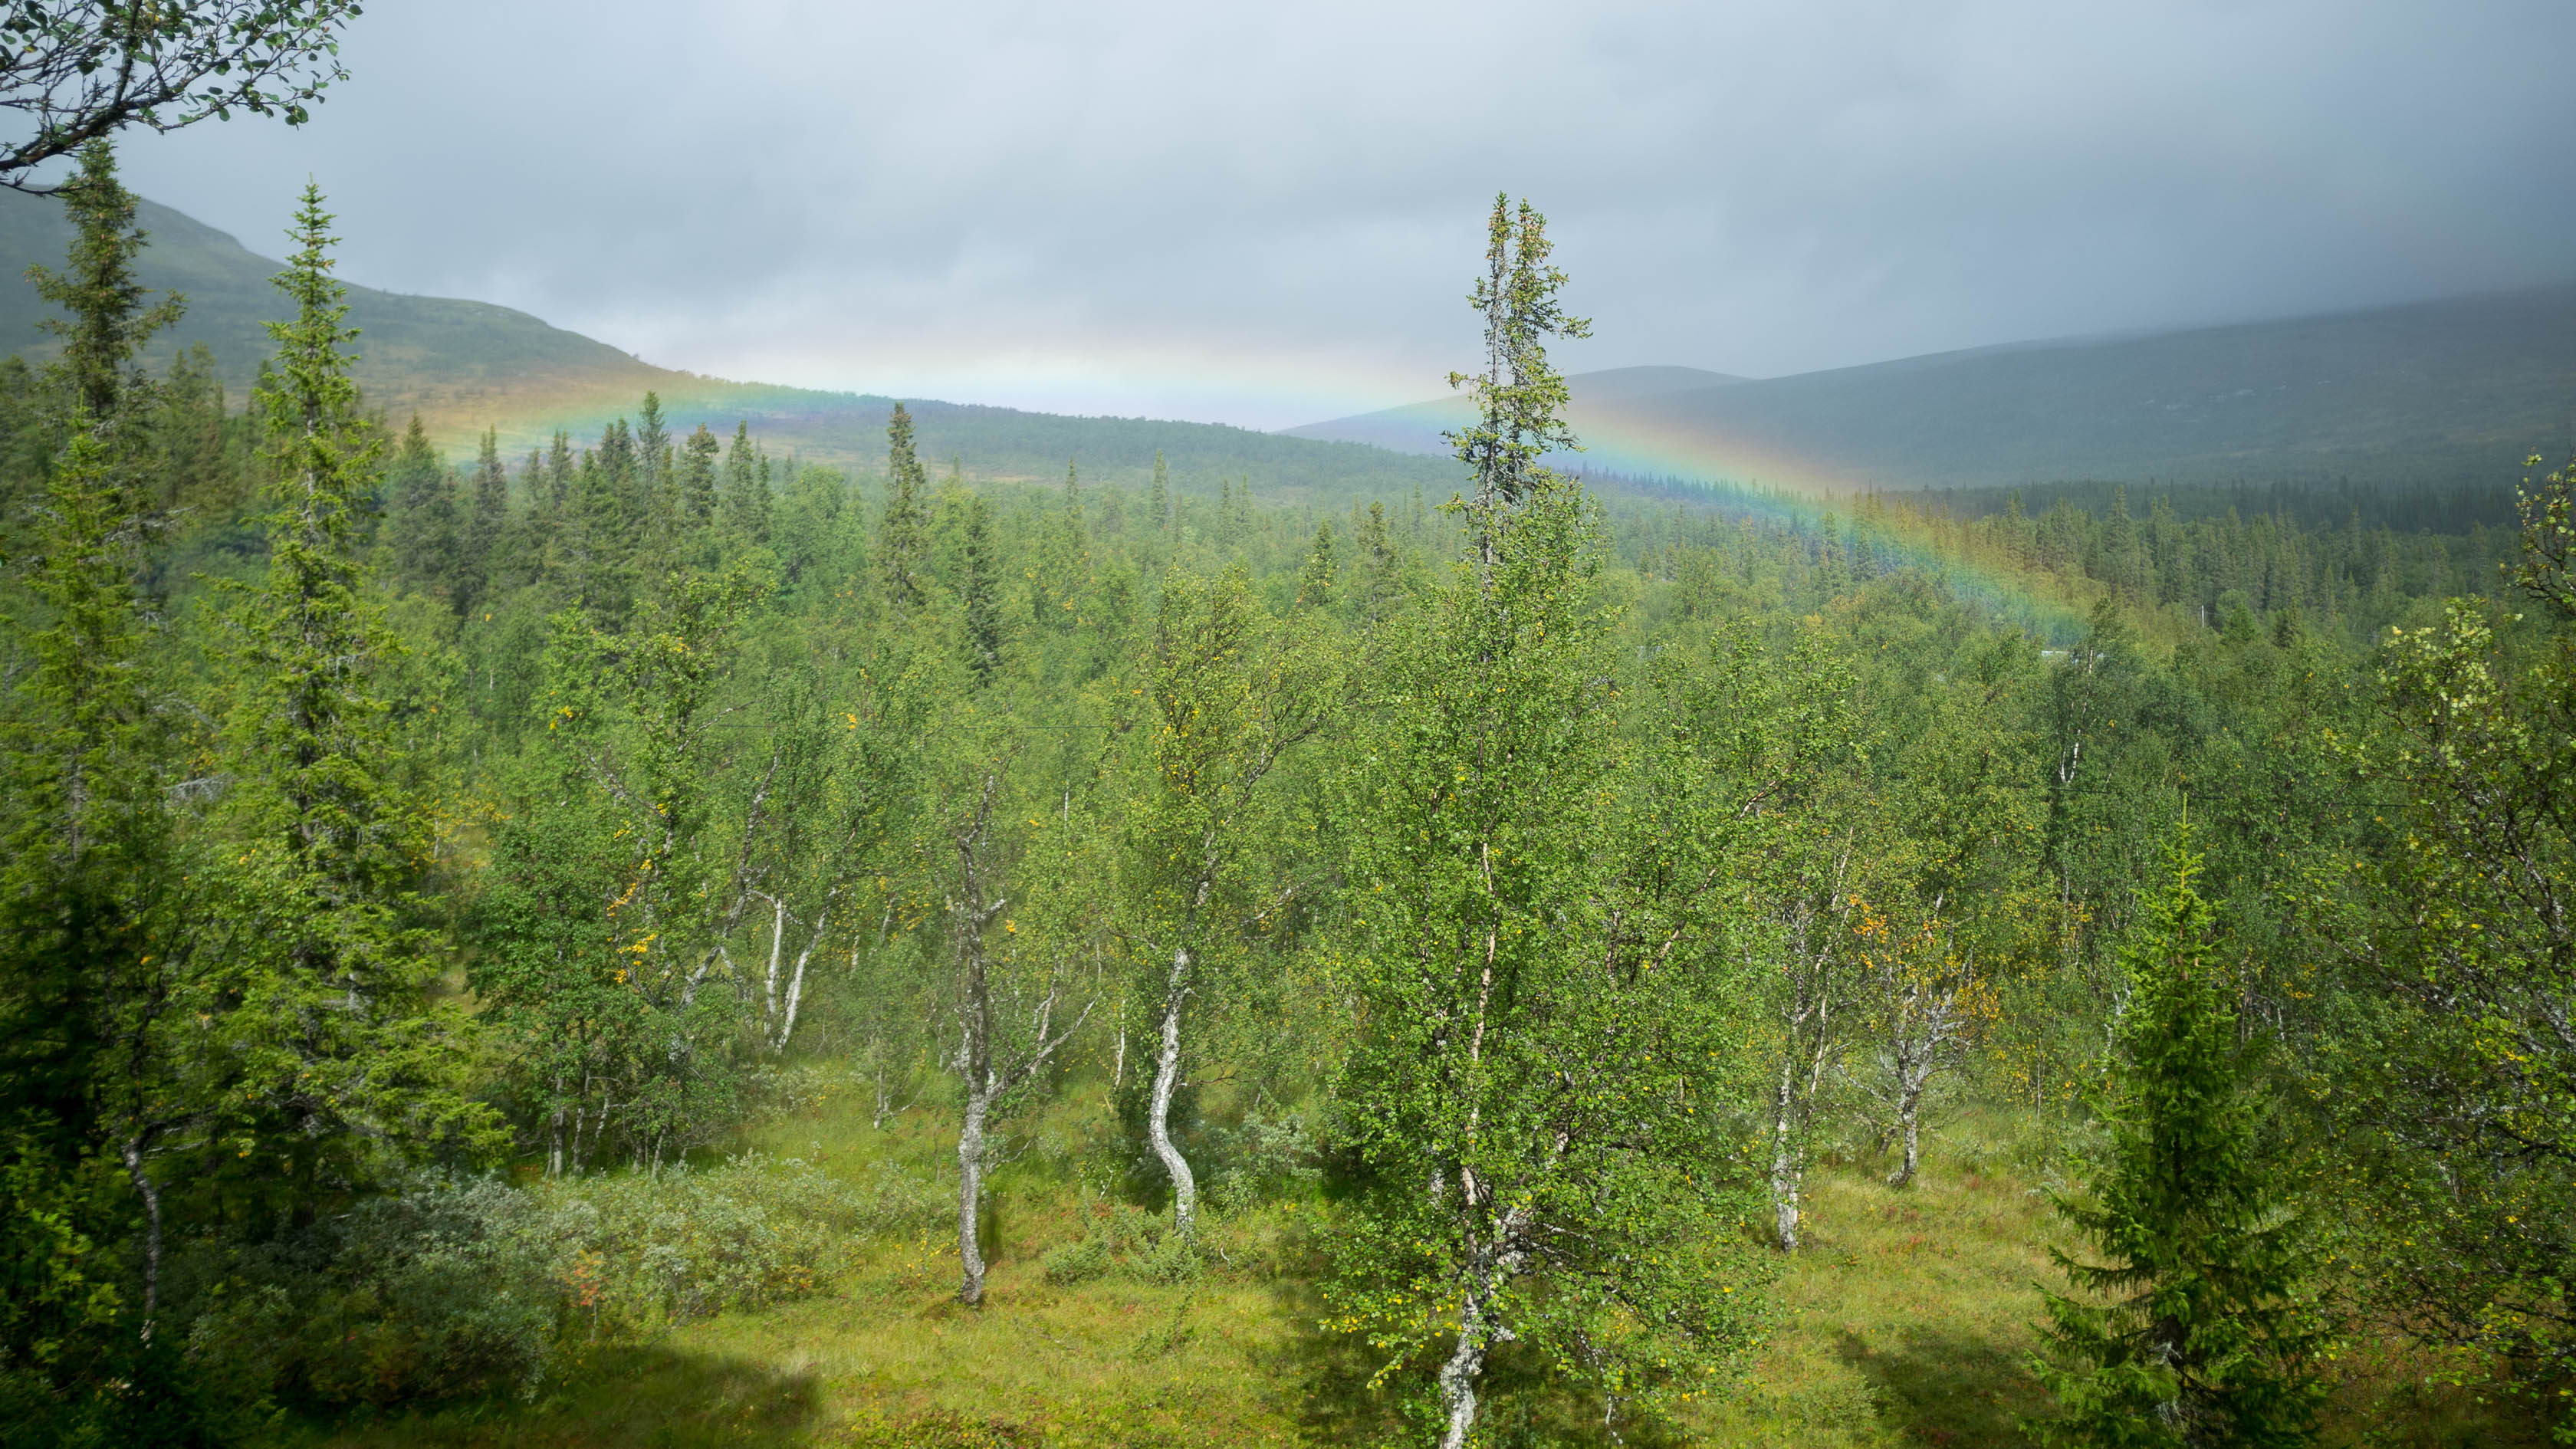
1269,214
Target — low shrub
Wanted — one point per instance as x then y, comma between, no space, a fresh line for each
1168,1263
1078,1262
458,1286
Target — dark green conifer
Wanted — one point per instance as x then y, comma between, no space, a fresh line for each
424,512
327,1035
982,594
2195,1331
487,516
746,489
698,458
1315,578
903,540
1158,504
108,324
1063,563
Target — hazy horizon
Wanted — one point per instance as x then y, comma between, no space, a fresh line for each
1270,219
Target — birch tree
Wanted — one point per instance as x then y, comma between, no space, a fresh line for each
1525,1095
1233,692
1016,1003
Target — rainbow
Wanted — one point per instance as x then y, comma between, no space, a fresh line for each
1813,501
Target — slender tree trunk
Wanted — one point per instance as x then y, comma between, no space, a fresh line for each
1784,1160
786,1015
1477,1332
970,1194
769,978
150,1192
555,1133
1909,1104
1459,1375
1167,1073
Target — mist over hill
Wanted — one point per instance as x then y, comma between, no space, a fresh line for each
466,366
2431,394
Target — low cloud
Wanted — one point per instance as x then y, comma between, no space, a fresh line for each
1266,215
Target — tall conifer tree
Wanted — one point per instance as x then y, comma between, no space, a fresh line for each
336,1059
487,516
746,489
108,322
698,461
903,541
84,993
2195,1331
981,593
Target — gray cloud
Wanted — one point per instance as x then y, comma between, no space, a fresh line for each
1269,214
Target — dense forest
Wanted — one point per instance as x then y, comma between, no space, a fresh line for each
469,927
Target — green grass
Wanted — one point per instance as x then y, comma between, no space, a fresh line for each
1906,1322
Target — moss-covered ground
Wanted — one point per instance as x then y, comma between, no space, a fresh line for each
1907,1320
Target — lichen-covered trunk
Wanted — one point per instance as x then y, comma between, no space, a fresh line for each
150,1192
1167,1076
1465,1366
1784,1160
970,1194
1489,1271
1909,1117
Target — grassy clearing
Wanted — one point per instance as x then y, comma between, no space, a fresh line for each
1906,1323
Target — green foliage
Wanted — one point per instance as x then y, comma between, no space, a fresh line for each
1526,1098
611,797
82,75
2458,1100
332,1053
1520,400
108,324
2199,1328
902,539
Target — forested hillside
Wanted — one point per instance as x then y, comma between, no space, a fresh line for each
2450,394
649,941
466,367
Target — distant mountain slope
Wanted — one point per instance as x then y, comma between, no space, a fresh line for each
432,353
2436,392
465,366
1416,427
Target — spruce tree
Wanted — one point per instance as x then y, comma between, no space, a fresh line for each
2195,1330
337,1060
108,323
1063,563
1159,503
981,594
903,541
1315,577
424,508
487,515
746,490
698,459
652,445
88,966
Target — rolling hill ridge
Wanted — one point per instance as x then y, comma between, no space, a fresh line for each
2435,393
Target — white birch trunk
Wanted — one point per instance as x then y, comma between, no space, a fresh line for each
1459,1375
1784,1160
150,1192
970,1194
1908,1118
1167,1073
